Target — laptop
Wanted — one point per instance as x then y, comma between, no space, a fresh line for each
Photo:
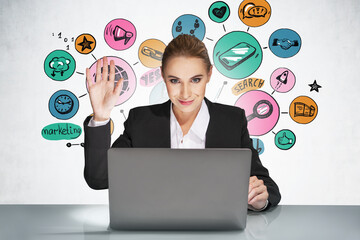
178,189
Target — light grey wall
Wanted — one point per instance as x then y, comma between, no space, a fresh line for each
323,166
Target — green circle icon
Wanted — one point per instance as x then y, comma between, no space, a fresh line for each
237,55
285,139
59,65
219,12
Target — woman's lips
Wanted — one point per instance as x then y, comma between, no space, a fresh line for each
186,102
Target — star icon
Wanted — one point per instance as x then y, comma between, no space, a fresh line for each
314,86
85,44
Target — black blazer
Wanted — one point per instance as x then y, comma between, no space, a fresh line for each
149,126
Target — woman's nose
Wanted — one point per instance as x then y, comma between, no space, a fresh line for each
185,91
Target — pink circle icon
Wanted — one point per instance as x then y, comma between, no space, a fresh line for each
282,80
261,110
120,34
122,70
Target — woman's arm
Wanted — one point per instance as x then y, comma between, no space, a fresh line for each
103,96
262,179
97,143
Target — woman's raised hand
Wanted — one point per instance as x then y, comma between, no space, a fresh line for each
103,93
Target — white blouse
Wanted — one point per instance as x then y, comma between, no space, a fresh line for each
195,138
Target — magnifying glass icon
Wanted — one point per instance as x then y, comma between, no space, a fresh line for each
262,109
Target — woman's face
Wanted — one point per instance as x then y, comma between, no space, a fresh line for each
186,79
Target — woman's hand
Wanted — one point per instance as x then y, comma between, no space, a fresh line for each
103,93
258,193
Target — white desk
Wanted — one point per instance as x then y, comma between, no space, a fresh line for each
90,222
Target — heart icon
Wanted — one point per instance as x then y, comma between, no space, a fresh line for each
219,12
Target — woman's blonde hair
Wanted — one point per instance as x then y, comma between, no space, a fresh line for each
187,46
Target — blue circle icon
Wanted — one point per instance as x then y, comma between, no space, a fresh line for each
285,43
189,24
63,104
258,145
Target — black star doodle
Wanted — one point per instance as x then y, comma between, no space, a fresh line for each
314,86
85,44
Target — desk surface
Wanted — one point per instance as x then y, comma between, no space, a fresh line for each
91,222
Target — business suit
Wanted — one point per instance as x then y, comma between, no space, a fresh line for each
149,126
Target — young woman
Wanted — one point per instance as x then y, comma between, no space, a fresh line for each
187,120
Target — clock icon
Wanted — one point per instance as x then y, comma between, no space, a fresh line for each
63,104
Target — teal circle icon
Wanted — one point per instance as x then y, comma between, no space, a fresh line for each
63,104
189,24
59,65
285,139
219,12
237,55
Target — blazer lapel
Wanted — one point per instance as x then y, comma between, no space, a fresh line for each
163,135
213,130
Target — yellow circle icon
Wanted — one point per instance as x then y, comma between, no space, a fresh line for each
254,13
303,110
151,52
85,43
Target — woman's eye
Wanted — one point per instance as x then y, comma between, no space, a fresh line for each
196,80
174,80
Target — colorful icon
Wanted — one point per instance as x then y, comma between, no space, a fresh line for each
285,139
282,80
219,12
285,43
246,85
189,24
303,110
158,94
151,77
122,70
254,13
59,65
258,145
120,34
63,104
261,110
237,55
85,43
151,53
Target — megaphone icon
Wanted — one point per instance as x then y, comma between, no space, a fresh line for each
120,34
